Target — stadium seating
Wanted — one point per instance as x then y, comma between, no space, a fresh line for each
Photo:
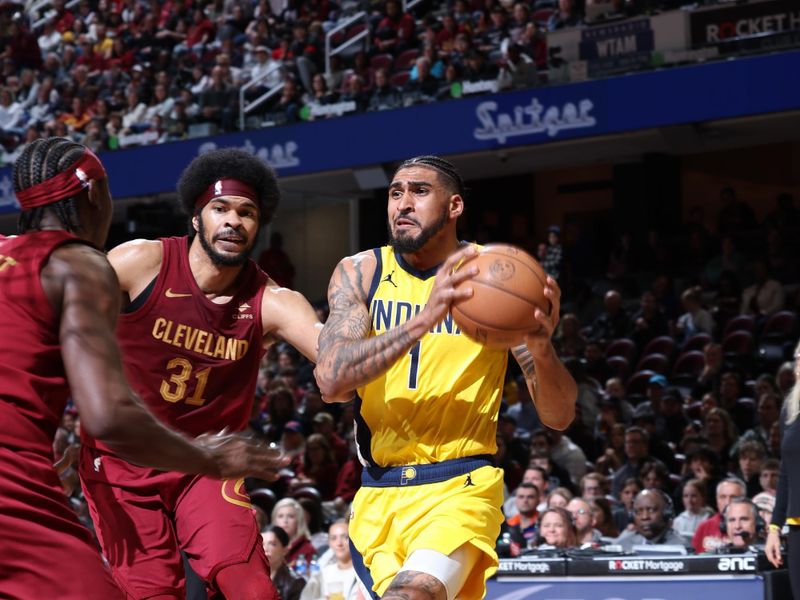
654,362
638,382
622,347
619,366
662,344
697,342
740,323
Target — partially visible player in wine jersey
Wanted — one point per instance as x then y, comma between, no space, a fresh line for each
198,315
59,302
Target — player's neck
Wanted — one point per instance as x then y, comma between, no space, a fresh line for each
434,253
214,280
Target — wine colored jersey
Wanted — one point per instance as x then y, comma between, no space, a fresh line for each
33,385
194,362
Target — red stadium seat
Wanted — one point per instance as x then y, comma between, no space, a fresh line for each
406,59
654,362
738,342
354,30
381,61
689,363
638,382
618,366
399,79
662,344
542,16
264,498
307,491
740,323
780,326
697,342
622,347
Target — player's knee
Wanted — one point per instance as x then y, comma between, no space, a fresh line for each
413,585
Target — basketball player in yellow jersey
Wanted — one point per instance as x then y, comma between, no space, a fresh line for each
427,516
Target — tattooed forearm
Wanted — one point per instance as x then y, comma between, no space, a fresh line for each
525,360
551,386
413,584
347,357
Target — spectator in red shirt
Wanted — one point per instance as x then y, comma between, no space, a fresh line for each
707,536
395,31
64,18
201,31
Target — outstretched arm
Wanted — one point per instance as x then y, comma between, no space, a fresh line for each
348,357
287,315
552,388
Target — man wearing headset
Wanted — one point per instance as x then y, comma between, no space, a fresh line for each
741,523
652,519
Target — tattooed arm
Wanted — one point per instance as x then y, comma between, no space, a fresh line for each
552,388
348,357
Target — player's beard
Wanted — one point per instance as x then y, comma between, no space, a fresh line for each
222,260
406,244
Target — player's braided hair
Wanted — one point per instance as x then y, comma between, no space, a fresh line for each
39,161
440,165
223,163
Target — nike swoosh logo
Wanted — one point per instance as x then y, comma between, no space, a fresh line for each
170,294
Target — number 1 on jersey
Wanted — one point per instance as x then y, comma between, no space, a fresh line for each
413,370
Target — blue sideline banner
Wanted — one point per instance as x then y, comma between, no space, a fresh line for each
702,92
625,588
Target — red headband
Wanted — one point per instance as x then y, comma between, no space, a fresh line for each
65,184
226,187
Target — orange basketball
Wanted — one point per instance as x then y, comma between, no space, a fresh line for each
507,290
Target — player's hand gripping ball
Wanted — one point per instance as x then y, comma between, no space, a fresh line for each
507,290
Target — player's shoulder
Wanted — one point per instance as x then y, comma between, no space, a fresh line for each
139,251
136,259
363,257
356,271
81,263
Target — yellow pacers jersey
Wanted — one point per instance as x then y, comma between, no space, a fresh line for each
439,401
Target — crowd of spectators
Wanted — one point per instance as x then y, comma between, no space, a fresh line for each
684,352
117,73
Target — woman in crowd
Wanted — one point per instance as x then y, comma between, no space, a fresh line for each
556,529
276,542
623,516
721,433
289,515
559,498
695,509
603,518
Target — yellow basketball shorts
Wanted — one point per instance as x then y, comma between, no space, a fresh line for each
434,507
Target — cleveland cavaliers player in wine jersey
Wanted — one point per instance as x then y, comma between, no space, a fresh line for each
198,316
